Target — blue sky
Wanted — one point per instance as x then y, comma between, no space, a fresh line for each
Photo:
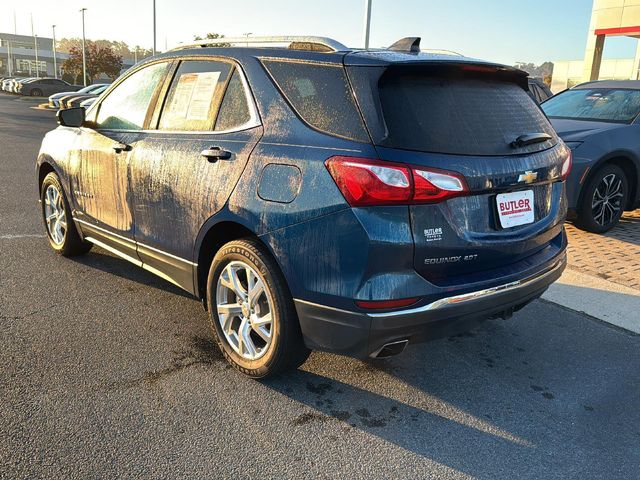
501,30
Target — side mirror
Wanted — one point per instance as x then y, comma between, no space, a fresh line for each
71,117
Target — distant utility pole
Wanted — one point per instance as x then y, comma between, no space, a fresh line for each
135,55
55,64
9,58
35,44
367,22
154,27
15,24
84,52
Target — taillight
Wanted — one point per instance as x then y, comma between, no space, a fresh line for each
432,186
566,165
367,182
370,182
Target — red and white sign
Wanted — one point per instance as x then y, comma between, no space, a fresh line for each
515,208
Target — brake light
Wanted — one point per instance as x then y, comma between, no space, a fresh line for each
385,304
566,165
367,182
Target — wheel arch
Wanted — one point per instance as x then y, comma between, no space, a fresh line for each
45,167
221,229
629,164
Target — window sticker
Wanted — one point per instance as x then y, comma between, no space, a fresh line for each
305,87
193,95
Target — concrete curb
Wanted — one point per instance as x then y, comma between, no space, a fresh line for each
599,298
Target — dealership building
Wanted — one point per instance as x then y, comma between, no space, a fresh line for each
18,56
609,18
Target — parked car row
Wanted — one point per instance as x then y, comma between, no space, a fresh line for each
83,97
37,87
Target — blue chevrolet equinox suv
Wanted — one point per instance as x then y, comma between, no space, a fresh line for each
317,197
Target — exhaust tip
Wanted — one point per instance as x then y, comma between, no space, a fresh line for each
390,349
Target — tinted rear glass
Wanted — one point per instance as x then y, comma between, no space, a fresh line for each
321,96
599,104
464,116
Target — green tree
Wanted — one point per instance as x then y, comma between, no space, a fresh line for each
99,60
212,36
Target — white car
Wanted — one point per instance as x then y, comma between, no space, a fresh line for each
54,100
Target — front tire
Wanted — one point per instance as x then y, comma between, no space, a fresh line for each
36,92
58,222
603,200
251,311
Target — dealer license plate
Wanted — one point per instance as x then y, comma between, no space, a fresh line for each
515,208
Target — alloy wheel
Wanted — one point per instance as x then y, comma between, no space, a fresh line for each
607,200
244,307
54,214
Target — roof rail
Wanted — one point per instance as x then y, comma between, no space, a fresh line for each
293,42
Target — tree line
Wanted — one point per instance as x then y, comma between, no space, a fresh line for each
103,57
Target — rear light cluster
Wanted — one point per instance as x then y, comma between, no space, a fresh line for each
566,165
367,182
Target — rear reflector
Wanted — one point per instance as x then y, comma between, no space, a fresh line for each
367,182
385,304
566,165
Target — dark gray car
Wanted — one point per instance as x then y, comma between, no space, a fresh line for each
46,86
599,122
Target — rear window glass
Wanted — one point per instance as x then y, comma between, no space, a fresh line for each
464,116
600,104
321,96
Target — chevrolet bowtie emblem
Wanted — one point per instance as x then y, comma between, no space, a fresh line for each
528,177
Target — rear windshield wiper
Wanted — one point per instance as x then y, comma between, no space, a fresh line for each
529,139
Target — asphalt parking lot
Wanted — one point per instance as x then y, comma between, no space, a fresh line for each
108,371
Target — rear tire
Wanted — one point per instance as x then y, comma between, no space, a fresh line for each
251,311
603,200
58,222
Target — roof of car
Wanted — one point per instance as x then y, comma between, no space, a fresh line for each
628,84
316,48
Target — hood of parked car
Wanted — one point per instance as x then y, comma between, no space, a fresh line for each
578,130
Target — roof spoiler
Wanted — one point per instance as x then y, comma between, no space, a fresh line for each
406,45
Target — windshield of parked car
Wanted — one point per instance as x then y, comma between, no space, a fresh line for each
87,89
596,104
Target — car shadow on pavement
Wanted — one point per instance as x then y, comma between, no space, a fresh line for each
535,397
106,262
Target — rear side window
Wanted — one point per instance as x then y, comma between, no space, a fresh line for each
463,116
321,96
194,96
234,111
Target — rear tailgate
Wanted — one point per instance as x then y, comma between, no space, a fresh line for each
465,118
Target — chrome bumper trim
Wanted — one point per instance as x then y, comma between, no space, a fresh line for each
471,296
457,299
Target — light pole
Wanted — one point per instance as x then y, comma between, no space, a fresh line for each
247,35
35,39
35,44
154,27
367,22
9,58
55,64
84,52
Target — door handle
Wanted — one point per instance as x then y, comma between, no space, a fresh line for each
121,147
213,154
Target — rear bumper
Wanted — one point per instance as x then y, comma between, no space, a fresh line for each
362,334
